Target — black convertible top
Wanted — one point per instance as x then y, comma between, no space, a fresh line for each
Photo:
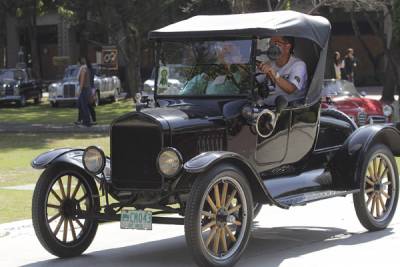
262,24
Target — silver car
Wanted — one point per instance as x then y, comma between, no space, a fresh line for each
107,87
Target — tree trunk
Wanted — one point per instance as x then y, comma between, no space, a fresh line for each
133,77
35,50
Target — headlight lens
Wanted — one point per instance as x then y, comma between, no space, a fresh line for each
169,162
387,110
94,160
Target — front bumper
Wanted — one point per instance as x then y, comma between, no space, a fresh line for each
10,98
63,99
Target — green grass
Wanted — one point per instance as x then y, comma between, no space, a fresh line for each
15,205
18,150
45,114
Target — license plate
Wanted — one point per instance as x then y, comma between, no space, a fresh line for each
136,219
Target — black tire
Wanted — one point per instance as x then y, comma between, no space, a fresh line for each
22,101
376,186
38,99
54,104
199,216
115,96
256,209
337,114
72,243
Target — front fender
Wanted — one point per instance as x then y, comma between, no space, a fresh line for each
347,162
69,155
207,160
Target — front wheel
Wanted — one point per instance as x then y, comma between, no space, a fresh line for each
376,202
218,217
63,205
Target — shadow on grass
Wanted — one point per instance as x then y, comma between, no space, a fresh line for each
267,247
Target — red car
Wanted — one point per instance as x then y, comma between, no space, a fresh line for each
342,95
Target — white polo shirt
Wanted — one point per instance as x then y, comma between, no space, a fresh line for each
294,71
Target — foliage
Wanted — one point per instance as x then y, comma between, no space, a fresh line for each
396,21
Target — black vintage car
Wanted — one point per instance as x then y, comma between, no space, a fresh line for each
18,86
215,149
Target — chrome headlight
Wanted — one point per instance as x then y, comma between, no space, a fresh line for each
169,162
94,160
387,110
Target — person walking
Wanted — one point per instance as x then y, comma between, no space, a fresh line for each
84,94
93,96
350,63
338,65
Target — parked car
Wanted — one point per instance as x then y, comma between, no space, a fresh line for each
18,86
342,95
213,158
107,87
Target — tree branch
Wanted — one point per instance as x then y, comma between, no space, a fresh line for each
312,10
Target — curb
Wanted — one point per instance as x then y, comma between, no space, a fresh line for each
50,128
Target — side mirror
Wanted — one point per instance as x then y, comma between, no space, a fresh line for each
281,103
363,94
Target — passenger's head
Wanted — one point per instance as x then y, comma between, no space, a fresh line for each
229,53
350,51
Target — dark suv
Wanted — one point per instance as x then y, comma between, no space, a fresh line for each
218,145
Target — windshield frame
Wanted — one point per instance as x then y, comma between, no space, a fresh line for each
342,84
252,64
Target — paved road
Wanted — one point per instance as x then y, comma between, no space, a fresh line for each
326,233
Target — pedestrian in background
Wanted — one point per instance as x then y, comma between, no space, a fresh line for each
338,65
84,94
93,95
350,63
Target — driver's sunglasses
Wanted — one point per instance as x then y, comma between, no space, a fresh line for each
278,43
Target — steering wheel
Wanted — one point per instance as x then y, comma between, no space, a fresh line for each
263,87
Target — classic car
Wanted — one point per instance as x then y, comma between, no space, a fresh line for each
18,86
212,158
343,95
107,87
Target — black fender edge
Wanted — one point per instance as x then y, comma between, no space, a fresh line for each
205,161
69,155
346,165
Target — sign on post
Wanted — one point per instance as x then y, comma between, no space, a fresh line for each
109,57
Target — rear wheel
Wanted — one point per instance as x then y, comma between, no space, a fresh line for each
376,202
218,217
63,206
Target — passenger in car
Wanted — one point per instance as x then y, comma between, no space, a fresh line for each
287,72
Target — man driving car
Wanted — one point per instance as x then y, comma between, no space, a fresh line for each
287,73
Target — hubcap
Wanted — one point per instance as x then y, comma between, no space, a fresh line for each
223,218
379,187
66,197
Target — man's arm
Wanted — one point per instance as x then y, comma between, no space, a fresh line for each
284,84
82,75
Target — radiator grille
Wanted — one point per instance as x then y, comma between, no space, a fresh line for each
362,118
69,90
9,91
377,119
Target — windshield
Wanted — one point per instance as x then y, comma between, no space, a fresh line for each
339,88
11,75
71,72
205,68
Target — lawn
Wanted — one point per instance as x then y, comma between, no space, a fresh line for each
45,114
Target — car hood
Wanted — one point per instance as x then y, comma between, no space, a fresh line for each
356,103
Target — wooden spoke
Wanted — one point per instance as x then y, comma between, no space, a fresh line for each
76,190
377,204
60,184
371,172
373,205
387,183
224,192
211,236
370,198
384,173
82,198
78,222
223,240
370,182
58,226
212,205
56,195
230,234
71,225
65,230
216,241
381,161
217,196
234,209
230,198
69,186
382,202
208,225
375,163
54,217
369,190
53,206
208,214
385,194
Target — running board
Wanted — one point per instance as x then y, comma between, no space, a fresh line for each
304,198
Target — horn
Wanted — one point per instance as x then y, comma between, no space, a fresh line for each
265,123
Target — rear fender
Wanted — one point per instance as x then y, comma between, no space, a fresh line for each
346,165
205,161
